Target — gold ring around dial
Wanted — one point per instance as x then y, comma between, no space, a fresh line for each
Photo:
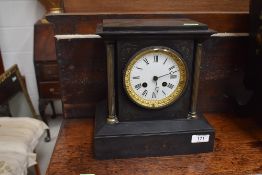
156,104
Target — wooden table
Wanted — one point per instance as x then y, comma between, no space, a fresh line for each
238,150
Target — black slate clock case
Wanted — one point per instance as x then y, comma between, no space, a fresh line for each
127,110
150,132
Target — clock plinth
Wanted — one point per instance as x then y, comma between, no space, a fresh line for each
153,75
149,138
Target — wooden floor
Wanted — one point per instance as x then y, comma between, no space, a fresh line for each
238,150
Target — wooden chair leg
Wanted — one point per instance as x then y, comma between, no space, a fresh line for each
41,107
53,109
48,135
37,169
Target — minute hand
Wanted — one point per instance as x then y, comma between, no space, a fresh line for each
163,75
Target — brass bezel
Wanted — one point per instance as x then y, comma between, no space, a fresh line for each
156,104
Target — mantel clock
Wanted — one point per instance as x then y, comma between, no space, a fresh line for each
153,75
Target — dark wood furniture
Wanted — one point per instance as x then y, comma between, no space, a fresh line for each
223,66
253,80
152,6
222,69
4,108
82,71
1,64
223,62
46,66
238,148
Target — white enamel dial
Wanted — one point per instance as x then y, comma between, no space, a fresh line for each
155,77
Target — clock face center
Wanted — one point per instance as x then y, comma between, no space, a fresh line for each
156,77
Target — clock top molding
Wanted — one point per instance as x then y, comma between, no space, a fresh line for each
125,28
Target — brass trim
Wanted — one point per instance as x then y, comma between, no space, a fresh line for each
53,6
56,10
193,107
44,21
111,119
156,104
8,73
15,71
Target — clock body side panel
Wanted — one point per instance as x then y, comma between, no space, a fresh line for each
127,110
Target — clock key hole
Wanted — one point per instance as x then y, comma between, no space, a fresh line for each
164,84
144,84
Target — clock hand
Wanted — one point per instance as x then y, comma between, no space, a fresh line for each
163,75
167,74
155,78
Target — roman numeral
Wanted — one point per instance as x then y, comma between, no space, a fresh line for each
164,92
145,93
157,89
139,68
170,85
153,95
146,61
171,68
165,61
173,76
156,58
136,77
138,86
